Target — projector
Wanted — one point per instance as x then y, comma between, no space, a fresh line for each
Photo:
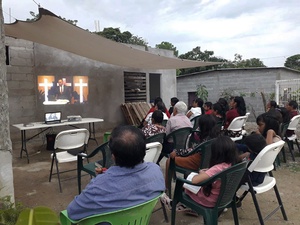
74,118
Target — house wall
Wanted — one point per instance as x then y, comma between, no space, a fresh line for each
249,82
106,84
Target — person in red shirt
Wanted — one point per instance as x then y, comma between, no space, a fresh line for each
239,109
152,109
208,107
292,108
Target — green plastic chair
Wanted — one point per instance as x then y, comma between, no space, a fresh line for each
204,148
135,215
40,215
179,137
156,138
196,122
230,180
104,159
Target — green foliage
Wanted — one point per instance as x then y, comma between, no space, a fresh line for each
168,46
36,16
9,212
197,54
272,96
116,35
202,92
252,94
293,62
239,62
227,93
295,95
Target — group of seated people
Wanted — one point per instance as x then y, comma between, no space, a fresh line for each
132,181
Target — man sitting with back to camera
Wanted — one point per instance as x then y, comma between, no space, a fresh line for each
130,182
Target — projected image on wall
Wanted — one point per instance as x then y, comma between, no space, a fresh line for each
54,90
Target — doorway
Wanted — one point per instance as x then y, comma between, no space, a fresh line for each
154,86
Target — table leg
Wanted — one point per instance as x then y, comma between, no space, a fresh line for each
24,148
92,132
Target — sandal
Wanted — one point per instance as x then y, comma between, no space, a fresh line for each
191,212
181,208
164,199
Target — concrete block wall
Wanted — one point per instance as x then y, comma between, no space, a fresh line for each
106,84
248,82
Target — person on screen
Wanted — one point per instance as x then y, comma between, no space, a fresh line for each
53,116
63,91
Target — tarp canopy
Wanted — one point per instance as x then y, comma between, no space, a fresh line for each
53,31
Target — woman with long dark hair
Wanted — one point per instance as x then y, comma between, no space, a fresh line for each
239,109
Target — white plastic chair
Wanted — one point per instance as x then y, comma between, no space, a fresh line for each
68,140
153,151
244,132
291,139
236,127
264,162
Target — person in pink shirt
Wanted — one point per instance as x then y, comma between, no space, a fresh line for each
224,155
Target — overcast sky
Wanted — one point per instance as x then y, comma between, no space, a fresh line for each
265,29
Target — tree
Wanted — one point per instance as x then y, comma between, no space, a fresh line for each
6,175
293,62
197,54
36,16
239,62
168,46
116,35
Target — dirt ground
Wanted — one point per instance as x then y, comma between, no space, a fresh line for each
32,189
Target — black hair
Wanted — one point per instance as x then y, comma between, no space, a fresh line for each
293,104
255,142
161,106
224,103
223,150
174,100
158,116
199,102
273,104
240,105
271,122
208,104
127,144
218,107
285,114
157,99
207,127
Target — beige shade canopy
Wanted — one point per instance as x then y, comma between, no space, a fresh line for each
53,31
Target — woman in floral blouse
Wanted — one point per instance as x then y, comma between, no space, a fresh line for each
155,127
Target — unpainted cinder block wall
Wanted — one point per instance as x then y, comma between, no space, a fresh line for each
27,60
250,82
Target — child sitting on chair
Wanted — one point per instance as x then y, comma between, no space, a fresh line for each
255,143
224,153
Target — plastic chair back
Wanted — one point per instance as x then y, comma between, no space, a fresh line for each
294,122
195,122
71,139
135,215
180,137
230,179
247,114
153,151
156,138
264,161
237,123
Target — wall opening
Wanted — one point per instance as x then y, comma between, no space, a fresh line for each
154,84
7,54
135,87
191,97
